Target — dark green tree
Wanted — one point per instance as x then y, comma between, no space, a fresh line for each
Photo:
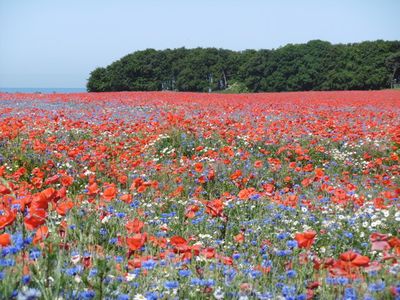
316,65
393,63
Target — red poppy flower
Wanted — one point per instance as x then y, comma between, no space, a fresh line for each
4,190
52,180
134,226
258,164
136,241
236,174
198,167
215,208
239,238
110,193
179,243
379,242
351,259
6,218
93,189
63,207
35,218
5,239
208,253
67,180
127,198
305,239
246,193
41,233
191,211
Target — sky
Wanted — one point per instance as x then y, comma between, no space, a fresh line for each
57,43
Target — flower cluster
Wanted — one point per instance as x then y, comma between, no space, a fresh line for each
182,195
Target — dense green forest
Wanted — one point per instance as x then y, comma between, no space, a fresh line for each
316,65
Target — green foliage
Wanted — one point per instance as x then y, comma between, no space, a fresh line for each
236,88
393,63
316,65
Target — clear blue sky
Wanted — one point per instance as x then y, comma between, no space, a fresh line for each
55,43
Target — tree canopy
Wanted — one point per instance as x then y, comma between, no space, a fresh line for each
316,65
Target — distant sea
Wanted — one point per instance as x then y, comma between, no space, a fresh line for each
43,90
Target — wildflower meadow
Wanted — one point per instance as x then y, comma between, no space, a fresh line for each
163,195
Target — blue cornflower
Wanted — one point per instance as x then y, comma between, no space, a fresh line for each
7,262
288,290
108,279
123,297
5,251
120,215
160,234
230,274
348,234
18,241
135,204
184,273
282,235
119,259
197,220
291,273
264,296
373,273
31,294
377,286
28,240
87,294
171,284
26,279
350,294
255,197
266,263
134,284
74,270
263,250
331,280
291,244
34,254
255,274
113,241
16,206
93,272
236,256
342,280
283,252
208,282
325,200
171,255
164,220
279,285
149,264
153,296
202,282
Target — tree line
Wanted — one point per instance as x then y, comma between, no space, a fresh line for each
316,65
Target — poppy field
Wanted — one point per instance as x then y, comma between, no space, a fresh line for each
152,195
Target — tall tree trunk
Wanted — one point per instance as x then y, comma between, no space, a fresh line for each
225,81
